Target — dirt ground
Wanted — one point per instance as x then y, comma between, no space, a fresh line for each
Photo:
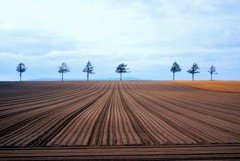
113,120
219,86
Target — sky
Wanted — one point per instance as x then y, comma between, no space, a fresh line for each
147,35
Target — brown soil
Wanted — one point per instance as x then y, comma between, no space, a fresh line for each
218,86
117,120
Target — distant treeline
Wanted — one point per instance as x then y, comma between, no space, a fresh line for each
121,68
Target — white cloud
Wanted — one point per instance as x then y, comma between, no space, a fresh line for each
33,41
141,33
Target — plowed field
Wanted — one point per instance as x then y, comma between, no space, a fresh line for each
218,86
116,120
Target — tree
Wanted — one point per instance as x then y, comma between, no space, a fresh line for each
212,71
21,68
175,68
122,69
63,69
193,70
88,69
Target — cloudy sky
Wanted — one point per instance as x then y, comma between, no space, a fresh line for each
148,35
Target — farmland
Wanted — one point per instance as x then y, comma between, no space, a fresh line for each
113,119
218,86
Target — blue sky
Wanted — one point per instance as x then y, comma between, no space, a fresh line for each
148,35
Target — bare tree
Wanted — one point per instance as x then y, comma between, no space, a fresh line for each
88,69
212,71
63,69
21,68
122,69
193,70
175,68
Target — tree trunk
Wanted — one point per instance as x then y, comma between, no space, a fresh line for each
211,77
87,76
62,76
173,75
193,76
120,76
20,76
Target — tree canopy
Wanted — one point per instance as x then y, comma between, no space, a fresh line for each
212,71
63,69
175,68
21,68
88,69
122,68
193,70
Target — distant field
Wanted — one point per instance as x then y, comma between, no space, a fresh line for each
219,86
117,120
